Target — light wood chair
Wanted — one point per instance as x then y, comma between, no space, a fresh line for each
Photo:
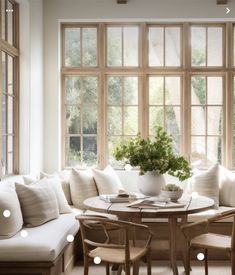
123,252
199,237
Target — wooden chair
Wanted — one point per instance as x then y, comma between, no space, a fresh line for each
199,237
123,252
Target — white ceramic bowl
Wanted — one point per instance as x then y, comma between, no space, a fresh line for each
173,195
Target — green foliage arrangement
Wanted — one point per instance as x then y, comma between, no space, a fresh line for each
153,155
171,187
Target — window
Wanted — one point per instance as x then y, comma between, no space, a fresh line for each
9,92
178,76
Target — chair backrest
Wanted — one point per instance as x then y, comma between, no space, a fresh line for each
225,215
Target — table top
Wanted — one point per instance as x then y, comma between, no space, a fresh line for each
192,205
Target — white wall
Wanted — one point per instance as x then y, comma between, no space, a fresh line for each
104,10
31,86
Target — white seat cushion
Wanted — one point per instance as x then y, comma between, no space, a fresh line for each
43,243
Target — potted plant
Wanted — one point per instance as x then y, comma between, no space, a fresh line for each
153,158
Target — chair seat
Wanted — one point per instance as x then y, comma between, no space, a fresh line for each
115,255
210,240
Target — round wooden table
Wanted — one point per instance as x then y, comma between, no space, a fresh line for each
192,205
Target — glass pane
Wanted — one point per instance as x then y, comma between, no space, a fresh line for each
4,75
173,120
130,120
90,150
90,90
214,150
73,120
10,112
198,90
89,119
130,95
114,46
9,14
4,115
112,143
156,46
72,47
73,153
114,121
130,46
172,90
115,90
198,121
89,47
215,120
198,151
156,90
4,154
72,89
198,46
215,47
3,9
10,74
9,155
156,117
214,90
172,46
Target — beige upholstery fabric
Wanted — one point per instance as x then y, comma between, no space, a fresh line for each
54,183
226,187
107,181
82,186
64,176
43,243
207,184
38,204
9,226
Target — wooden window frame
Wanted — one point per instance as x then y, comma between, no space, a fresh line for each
143,71
13,51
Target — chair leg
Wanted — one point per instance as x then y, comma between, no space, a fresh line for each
107,268
206,262
187,263
136,268
86,265
148,258
233,262
127,268
119,272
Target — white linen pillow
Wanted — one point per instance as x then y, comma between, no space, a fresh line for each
38,204
226,187
9,226
82,186
54,183
206,184
107,181
64,176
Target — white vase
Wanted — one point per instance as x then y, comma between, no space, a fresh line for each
151,183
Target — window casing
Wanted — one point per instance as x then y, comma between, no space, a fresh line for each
9,74
167,61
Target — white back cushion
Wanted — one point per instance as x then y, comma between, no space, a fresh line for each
107,181
226,187
9,226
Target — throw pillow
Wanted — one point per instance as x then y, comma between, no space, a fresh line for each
207,184
226,187
38,204
13,222
107,181
82,186
54,183
64,180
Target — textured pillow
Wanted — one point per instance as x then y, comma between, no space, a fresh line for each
226,187
64,180
54,183
107,181
82,186
207,184
9,226
38,204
